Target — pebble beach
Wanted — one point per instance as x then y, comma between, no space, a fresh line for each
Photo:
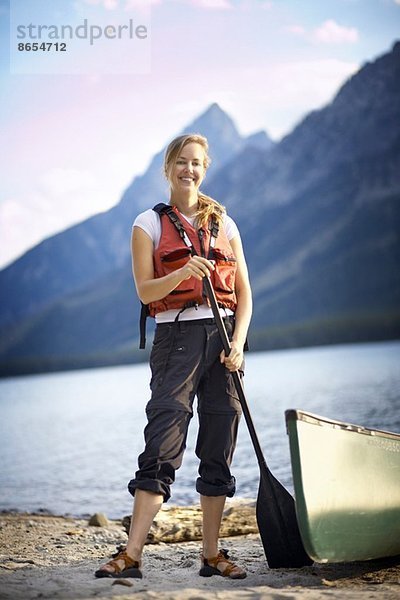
54,557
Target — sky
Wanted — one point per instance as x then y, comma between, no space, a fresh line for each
76,129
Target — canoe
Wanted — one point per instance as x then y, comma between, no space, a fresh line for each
347,488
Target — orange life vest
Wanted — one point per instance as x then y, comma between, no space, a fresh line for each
173,252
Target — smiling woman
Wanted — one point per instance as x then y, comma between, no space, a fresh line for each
173,248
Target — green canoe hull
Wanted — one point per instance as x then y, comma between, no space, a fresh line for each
347,488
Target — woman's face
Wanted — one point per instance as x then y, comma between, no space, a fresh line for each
188,171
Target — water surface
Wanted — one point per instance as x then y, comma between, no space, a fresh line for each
69,441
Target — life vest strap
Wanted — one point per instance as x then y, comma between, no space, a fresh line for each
167,209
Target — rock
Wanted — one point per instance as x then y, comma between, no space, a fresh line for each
43,511
184,523
186,564
21,561
328,582
99,520
125,582
126,523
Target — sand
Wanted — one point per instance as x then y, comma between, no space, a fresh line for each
43,556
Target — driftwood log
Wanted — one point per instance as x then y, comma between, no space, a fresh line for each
183,523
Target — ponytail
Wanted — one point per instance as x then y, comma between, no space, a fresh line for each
208,207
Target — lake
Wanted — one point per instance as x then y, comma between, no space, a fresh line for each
69,441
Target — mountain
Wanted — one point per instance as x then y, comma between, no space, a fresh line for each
319,217
260,140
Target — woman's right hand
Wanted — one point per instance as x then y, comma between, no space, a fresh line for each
197,267
151,288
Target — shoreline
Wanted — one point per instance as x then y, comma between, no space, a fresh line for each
49,556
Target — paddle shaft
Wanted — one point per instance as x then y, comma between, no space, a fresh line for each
237,381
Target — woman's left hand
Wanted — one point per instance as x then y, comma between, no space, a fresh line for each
234,361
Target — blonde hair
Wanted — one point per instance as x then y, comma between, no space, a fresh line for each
208,207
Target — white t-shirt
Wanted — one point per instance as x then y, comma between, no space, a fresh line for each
150,222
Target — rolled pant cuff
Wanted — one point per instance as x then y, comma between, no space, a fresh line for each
209,489
150,485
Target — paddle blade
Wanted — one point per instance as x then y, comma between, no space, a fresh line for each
277,523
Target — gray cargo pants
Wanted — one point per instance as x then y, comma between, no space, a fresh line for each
185,363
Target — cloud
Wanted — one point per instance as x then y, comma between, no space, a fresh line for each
60,198
110,4
59,181
296,29
285,92
331,32
107,4
140,5
249,4
207,4
212,4
22,225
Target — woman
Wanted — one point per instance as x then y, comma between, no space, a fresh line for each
172,250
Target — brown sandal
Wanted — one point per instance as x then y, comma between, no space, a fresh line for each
210,567
130,568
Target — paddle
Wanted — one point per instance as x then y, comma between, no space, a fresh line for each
275,508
